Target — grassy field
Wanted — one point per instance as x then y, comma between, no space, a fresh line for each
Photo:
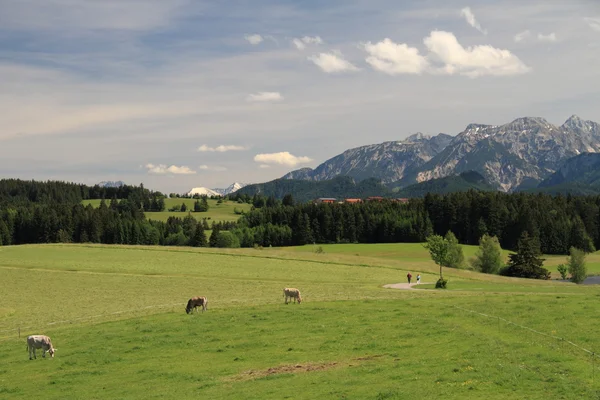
116,315
216,212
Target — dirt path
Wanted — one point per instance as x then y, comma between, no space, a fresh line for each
403,286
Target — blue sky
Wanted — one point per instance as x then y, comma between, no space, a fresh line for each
178,94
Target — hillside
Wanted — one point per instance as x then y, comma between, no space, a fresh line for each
470,180
303,190
521,153
579,175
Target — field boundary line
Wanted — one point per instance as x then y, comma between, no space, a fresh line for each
590,352
53,323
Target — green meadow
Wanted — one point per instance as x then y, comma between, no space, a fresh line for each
116,315
216,212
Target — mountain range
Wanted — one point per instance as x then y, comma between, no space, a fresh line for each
202,191
111,184
510,157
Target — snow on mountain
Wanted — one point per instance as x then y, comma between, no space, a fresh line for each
202,191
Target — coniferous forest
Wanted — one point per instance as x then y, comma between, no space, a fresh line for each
52,212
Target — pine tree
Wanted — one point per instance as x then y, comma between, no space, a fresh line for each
199,239
526,263
214,236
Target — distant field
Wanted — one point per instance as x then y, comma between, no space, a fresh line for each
216,212
116,315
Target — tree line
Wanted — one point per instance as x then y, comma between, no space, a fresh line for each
37,212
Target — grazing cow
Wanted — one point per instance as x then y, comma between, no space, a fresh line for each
196,302
40,342
292,293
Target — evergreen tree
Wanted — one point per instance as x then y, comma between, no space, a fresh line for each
526,263
288,200
199,238
214,236
183,207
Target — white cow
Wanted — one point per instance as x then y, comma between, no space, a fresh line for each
40,342
293,294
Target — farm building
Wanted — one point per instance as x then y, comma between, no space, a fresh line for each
325,200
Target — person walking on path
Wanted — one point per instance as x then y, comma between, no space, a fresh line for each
418,279
409,276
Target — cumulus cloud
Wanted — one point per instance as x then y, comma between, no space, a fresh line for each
392,58
446,56
470,18
254,39
265,96
162,169
594,23
333,63
306,40
519,37
473,61
215,168
551,37
221,148
282,158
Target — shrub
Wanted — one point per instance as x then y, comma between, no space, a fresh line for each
562,269
577,267
319,250
441,283
488,258
227,239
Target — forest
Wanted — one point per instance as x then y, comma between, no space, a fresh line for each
51,212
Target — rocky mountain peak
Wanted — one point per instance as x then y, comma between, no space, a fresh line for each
417,137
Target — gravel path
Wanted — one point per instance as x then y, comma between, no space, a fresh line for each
403,286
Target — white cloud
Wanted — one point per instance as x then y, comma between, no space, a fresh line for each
215,168
306,40
446,56
282,158
221,148
162,169
263,166
265,96
391,58
547,38
470,18
254,39
473,61
519,37
594,23
333,63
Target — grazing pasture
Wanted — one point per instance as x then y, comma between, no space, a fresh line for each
216,212
117,314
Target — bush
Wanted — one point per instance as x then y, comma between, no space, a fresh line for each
441,283
562,269
319,250
488,258
577,267
227,239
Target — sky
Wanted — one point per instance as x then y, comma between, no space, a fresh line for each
177,94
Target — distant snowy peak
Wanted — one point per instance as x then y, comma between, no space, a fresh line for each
202,191
108,184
